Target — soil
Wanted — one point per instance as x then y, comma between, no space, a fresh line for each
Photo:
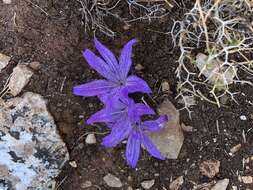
55,37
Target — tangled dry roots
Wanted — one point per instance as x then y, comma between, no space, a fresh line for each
94,12
216,39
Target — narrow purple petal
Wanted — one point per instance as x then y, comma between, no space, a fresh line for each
98,64
151,148
99,117
93,88
120,131
133,149
125,58
155,125
142,109
108,57
136,84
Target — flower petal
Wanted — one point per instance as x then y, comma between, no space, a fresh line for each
142,109
151,148
108,57
93,88
133,149
119,132
136,84
98,64
155,125
100,116
125,58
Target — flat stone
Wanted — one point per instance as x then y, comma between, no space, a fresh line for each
4,60
32,151
170,140
221,185
112,181
20,77
148,184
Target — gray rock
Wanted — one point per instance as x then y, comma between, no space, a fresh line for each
112,181
32,152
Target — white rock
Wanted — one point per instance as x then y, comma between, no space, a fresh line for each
19,79
112,181
175,185
148,184
91,139
32,151
243,118
221,185
170,140
4,60
7,1
139,67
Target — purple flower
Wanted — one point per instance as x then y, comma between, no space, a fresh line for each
124,118
137,134
119,109
116,80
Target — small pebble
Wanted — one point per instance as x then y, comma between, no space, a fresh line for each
73,164
35,65
148,184
112,181
90,139
235,149
165,86
139,67
86,184
243,118
246,179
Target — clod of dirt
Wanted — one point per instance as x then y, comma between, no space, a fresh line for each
90,139
32,151
246,179
4,60
112,181
221,185
175,185
148,184
209,168
212,71
20,77
170,140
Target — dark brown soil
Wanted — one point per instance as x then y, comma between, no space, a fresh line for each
56,39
